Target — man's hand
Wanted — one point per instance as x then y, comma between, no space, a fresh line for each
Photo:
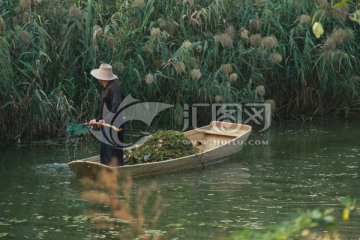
93,122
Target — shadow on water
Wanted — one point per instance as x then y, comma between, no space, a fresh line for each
290,168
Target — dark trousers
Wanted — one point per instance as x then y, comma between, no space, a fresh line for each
112,155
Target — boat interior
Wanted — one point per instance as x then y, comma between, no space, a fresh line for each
206,138
216,134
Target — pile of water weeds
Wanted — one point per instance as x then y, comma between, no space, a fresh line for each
163,145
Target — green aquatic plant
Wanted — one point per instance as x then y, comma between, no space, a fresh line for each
163,145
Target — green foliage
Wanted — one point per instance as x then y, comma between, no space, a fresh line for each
163,145
349,205
339,8
356,16
176,52
305,226
314,224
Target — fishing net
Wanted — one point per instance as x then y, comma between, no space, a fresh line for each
76,129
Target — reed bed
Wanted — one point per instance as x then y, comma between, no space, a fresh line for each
177,51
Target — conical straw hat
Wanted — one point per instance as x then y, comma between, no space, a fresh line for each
104,72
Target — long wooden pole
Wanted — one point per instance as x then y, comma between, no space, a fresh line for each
105,125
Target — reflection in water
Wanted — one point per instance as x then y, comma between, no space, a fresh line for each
117,212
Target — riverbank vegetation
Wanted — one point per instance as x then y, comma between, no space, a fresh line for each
313,224
178,52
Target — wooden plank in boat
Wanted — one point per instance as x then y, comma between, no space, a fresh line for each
229,134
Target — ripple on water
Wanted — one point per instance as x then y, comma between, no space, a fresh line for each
50,168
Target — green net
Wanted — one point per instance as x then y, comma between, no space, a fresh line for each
77,129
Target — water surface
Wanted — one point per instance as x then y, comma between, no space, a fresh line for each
291,168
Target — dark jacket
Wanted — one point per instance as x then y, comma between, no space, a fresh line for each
112,97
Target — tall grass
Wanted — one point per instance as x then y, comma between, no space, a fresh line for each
175,51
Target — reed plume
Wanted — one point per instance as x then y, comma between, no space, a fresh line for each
219,98
255,40
155,33
260,90
149,78
224,39
186,44
269,42
195,74
226,68
233,77
276,58
25,3
305,19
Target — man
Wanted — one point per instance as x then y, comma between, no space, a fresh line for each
111,98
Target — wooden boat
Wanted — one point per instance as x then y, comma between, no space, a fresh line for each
217,141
